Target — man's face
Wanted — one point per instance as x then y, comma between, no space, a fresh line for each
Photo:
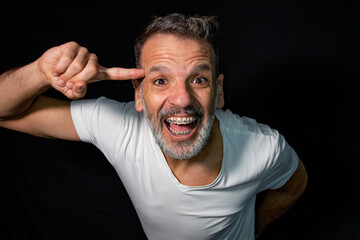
178,93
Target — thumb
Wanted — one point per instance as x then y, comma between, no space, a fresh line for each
118,73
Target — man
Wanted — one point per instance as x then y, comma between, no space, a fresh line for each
191,169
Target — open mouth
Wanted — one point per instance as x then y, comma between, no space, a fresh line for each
180,125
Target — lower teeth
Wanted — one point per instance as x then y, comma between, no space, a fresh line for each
180,133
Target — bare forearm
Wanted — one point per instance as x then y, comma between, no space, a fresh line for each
18,89
67,68
277,202
273,206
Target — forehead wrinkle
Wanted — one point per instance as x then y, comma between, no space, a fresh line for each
158,68
202,67
179,58
161,49
159,53
163,59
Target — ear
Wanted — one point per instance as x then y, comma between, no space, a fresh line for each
221,101
138,101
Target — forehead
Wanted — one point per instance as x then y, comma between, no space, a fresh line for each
172,49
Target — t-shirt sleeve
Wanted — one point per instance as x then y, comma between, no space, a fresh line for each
79,110
85,114
105,123
282,163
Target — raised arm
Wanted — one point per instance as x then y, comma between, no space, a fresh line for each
67,68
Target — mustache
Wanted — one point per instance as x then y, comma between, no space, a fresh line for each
189,110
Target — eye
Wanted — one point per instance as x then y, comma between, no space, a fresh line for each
160,81
199,80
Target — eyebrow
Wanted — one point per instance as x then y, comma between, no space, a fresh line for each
160,68
199,68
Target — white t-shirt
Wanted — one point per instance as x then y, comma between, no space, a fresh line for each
255,158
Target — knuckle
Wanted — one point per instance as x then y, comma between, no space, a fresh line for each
66,59
118,72
58,69
77,66
93,68
73,44
94,57
83,49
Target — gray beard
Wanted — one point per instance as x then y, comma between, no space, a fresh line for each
181,149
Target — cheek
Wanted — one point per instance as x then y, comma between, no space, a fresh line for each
208,101
154,103
208,105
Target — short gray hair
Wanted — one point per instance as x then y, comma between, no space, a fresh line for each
201,28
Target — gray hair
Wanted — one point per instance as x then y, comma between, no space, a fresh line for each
201,28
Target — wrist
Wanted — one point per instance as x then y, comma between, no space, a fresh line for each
38,77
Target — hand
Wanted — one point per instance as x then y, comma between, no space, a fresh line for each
69,68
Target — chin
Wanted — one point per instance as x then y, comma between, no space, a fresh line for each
186,148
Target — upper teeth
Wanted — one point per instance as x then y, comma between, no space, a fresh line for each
180,120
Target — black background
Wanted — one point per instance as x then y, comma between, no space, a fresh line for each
291,65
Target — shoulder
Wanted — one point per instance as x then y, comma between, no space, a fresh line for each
103,115
254,150
104,105
246,137
243,125
107,123
101,102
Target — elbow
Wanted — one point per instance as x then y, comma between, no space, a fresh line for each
15,112
297,183
304,178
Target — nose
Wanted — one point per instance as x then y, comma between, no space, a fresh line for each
181,95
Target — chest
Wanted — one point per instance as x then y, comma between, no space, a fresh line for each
193,213
197,175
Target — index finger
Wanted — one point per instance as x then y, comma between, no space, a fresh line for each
118,73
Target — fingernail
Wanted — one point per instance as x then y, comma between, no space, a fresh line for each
69,84
55,74
81,89
61,82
